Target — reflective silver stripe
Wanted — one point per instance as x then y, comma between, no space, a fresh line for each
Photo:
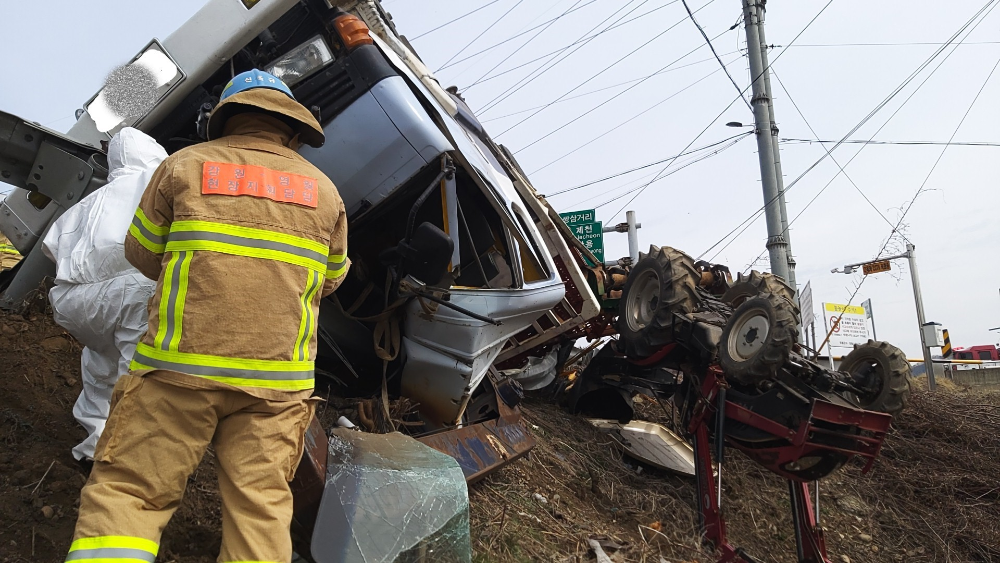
112,553
172,291
334,266
307,333
194,369
248,242
155,239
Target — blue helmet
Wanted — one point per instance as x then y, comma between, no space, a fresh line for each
254,79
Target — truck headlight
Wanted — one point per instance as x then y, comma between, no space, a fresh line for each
301,61
132,90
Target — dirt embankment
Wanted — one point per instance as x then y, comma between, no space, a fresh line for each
934,495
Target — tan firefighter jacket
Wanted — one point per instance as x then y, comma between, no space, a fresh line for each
244,236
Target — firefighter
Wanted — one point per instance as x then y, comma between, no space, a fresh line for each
244,237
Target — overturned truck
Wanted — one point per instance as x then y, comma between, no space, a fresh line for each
463,276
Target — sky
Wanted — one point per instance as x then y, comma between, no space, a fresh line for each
592,117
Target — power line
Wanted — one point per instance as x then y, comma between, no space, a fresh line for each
813,131
629,120
525,44
609,87
724,147
747,222
903,143
920,190
550,64
509,39
889,44
753,79
712,47
581,39
637,168
602,71
595,108
447,23
489,27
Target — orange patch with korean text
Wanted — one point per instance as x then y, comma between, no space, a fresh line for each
224,178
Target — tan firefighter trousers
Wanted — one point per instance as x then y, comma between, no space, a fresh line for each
155,437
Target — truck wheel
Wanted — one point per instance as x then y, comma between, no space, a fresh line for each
757,283
661,283
882,370
757,339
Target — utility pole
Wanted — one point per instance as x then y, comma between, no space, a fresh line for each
777,245
773,128
911,255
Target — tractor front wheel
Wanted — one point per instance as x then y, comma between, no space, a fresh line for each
757,339
882,371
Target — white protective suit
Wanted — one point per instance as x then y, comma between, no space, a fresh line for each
98,296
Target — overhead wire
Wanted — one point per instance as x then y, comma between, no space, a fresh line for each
511,38
579,40
712,47
449,22
622,123
551,132
788,140
602,71
644,166
828,153
525,44
919,191
680,167
748,221
712,122
603,88
483,32
559,57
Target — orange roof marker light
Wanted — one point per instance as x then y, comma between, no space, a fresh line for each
353,32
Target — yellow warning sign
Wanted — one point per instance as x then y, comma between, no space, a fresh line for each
849,309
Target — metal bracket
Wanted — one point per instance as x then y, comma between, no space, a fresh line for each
59,175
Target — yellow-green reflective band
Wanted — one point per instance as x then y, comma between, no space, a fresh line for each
116,549
306,328
154,229
334,274
275,374
249,252
168,301
250,233
180,295
151,246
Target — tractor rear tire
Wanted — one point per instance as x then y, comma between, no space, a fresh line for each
756,283
660,284
757,339
887,364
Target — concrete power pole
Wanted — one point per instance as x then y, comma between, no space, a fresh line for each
767,149
777,154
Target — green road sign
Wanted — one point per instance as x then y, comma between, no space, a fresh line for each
574,217
586,230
